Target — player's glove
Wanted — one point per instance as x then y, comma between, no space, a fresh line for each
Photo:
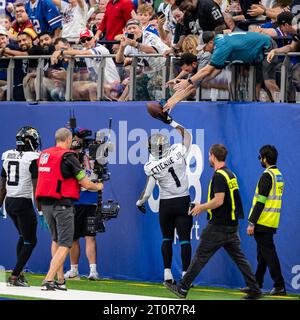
142,208
164,116
42,221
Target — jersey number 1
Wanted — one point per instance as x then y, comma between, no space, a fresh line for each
172,171
13,169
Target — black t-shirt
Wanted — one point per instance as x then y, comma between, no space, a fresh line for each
70,167
206,17
264,188
222,214
32,63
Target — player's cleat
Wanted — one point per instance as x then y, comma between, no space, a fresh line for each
16,282
60,286
23,279
48,286
177,289
93,276
171,281
72,275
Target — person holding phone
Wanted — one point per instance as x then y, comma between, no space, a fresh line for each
135,41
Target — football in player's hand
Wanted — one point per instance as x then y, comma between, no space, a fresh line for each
155,109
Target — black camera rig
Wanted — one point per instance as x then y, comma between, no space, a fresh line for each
97,149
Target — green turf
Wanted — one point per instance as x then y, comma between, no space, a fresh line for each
151,289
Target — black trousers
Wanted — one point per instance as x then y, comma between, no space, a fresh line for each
212,239
267,257
22,213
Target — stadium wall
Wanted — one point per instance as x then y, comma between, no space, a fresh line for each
130,248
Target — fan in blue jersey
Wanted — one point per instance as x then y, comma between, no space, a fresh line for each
44,16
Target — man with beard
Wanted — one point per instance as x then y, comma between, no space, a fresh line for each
199,16
264,219
24,66
224,208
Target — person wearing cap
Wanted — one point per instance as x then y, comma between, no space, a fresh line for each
285,28
136,41
248,47
117,13
74,18
88,42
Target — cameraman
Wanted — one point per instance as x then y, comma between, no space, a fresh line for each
59,177
84,208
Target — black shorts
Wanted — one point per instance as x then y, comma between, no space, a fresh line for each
173,213
82,212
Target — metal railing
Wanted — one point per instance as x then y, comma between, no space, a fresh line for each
167,73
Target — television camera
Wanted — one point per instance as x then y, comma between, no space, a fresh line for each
97,149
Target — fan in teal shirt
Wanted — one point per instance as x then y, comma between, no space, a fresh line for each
246,47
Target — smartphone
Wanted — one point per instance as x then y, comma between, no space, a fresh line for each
130,36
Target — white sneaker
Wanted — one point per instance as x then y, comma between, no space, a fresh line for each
93,276
71,275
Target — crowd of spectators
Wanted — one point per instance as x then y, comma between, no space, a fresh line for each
69,28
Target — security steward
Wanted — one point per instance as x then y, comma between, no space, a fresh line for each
59,177
224,208
264,219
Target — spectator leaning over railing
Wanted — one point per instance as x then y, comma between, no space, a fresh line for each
294,46
111,75
27,48
143,42
22,23
245,47
44,16
24,66
74,19
30,81
117,13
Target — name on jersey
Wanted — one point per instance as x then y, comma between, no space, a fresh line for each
14,156
165,164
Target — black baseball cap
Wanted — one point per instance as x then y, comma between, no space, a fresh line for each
205,38
285,17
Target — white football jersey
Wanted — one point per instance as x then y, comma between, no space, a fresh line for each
170,172
18,177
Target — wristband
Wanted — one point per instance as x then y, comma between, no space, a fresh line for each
250,224
40,213
190,81
174,124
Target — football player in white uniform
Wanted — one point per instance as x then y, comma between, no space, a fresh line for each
18,177
167,166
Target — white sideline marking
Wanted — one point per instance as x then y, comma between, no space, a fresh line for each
36,292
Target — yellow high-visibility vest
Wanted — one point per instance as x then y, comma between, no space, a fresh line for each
270,215
232,185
